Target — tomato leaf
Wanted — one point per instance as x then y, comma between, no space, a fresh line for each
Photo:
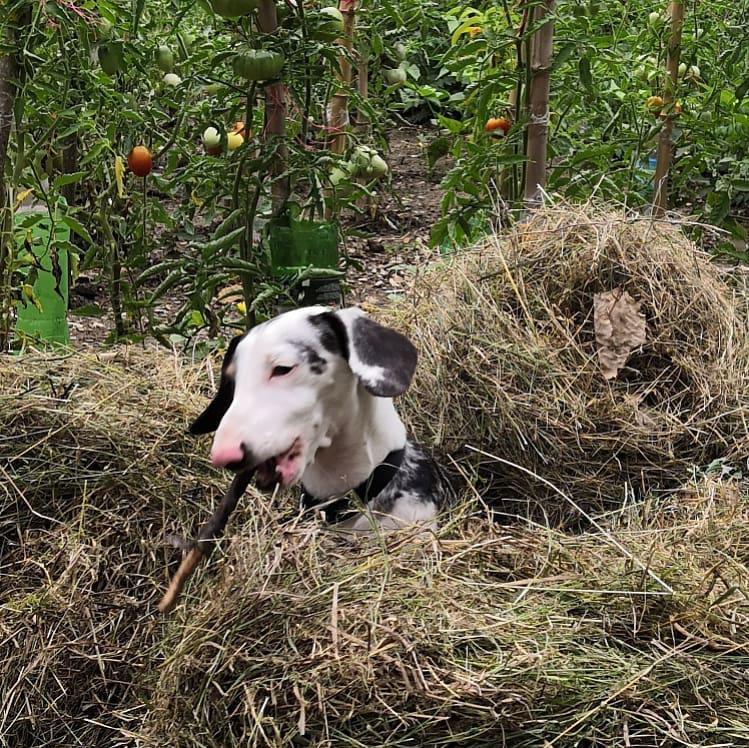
71,178
742,88
586,78
78,228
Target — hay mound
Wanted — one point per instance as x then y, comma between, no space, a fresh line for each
509,358
479,636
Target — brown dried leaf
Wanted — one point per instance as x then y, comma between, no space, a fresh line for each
620,328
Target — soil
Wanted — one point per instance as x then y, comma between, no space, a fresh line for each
383,246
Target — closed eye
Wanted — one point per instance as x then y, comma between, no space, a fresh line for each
281,371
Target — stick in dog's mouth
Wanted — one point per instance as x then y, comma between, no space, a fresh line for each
211,531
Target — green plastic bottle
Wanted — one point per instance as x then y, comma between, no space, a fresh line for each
49,323
296,245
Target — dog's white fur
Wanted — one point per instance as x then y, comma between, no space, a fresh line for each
343,432
319,423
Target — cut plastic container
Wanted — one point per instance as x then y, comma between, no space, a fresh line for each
49,324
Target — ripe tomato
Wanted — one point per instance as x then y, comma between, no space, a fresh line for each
139,161
498,123
654,103
233,140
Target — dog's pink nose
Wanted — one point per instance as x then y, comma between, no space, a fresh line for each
225,455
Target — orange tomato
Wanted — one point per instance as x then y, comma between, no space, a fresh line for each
139,161
654,103
498,123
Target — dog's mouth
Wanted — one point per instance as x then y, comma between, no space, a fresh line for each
283,469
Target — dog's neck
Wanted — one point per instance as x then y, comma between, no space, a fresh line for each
366,430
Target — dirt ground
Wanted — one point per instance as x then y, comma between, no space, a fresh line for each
383,246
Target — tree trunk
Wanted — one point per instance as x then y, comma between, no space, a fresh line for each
542,45
665,144
275,115
339,112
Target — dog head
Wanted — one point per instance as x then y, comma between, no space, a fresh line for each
286,386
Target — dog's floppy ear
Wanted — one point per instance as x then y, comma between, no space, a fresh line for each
210,418
384,360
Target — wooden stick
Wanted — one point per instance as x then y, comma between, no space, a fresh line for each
211,531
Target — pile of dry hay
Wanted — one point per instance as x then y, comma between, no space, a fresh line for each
480,636
509,358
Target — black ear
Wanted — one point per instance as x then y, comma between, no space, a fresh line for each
210,418
384,360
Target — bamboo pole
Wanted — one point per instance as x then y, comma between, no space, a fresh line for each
542,47
275,115
339,110
665,139
362,84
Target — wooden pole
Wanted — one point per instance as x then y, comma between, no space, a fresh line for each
339,110
542,47
665,139
275,114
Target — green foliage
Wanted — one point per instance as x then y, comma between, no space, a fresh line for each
607,62
91,86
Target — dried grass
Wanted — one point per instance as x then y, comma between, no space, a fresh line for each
509,357
482,635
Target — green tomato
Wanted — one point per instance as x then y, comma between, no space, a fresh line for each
326,24
213,88
394,76
234,8
164,59
172,80
682,69
338,175
378,166
111,57
258,65
401,53
654,19
361,159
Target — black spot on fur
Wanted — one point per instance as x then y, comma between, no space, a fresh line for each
210,418
317,363
332,331
376,345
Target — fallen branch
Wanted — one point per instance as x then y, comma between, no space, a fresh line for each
211,531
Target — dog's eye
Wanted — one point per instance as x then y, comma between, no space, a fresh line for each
280,371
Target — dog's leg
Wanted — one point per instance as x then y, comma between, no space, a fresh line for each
407,510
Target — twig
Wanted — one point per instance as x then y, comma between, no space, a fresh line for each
209,533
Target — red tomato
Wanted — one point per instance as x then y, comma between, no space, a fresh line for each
498,123
139,161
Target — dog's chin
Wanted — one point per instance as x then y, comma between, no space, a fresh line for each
282,470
